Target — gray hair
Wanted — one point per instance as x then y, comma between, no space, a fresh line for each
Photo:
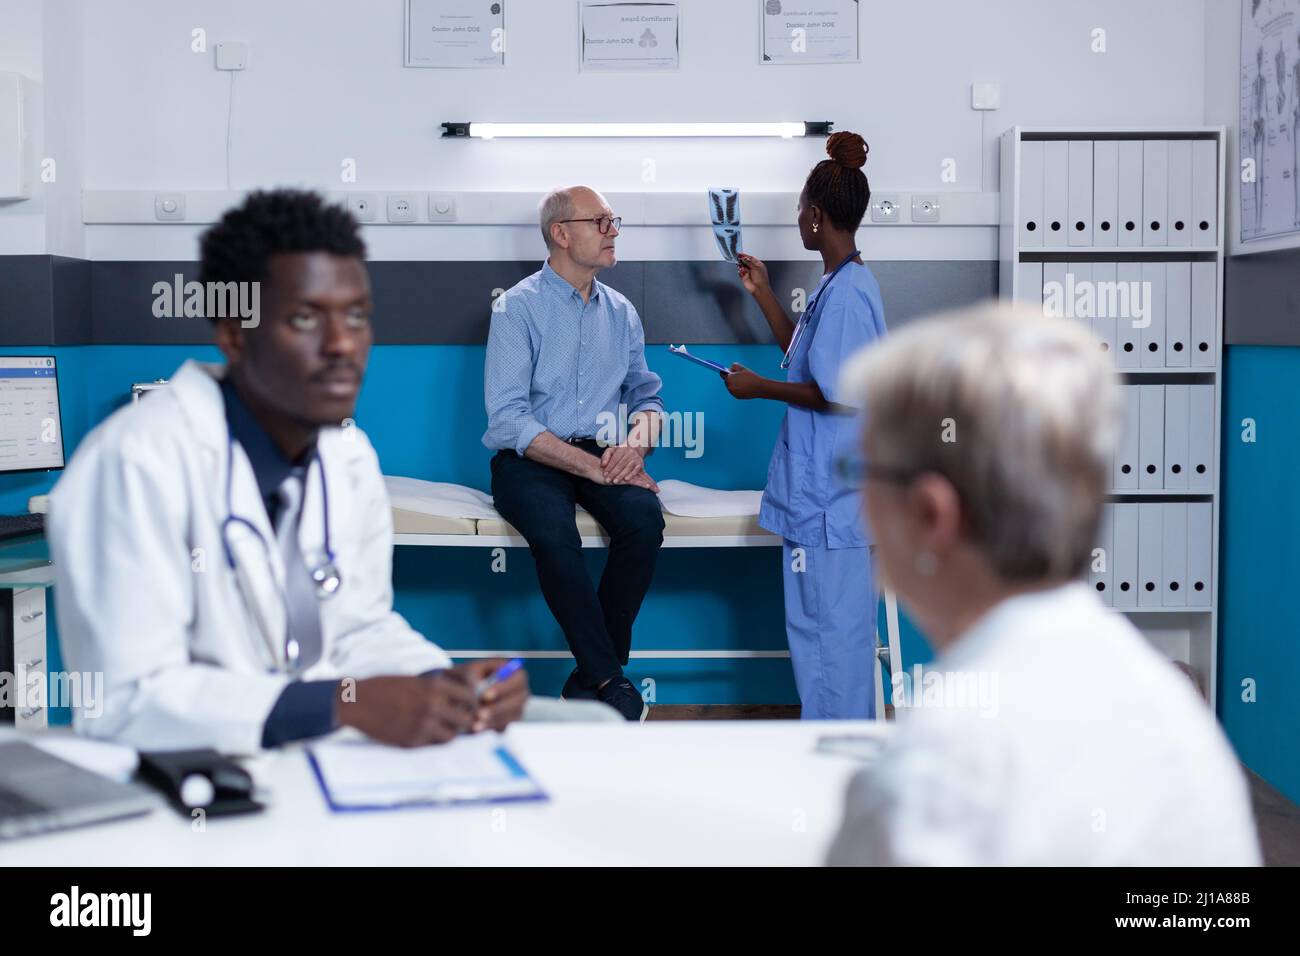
556,206
1020,411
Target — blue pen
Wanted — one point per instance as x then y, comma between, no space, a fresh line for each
502,673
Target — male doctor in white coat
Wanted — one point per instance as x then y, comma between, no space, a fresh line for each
223,549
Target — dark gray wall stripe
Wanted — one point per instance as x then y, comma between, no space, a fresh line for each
71,303
26,314
449,303
1262,299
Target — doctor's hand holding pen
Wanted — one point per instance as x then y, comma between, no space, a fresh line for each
432,708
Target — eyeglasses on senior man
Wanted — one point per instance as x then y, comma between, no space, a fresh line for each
602,223
855,469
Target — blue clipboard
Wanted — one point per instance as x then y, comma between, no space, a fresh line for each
680,350
531,792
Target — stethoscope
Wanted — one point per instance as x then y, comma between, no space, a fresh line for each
809,313
325,576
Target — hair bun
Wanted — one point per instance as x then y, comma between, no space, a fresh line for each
847,149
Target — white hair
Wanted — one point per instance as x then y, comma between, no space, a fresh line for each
556,206
1020,412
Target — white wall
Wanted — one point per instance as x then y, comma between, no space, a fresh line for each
65,126
326,82
22,222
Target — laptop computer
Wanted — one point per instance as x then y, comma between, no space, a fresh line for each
40,792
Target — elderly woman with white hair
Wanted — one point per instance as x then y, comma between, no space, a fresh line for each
988,444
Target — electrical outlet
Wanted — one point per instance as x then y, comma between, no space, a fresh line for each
169,207
363,206
401,207
886,208
925,209
442,208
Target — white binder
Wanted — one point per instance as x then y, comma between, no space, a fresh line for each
1178,314
1125,575
1176,436
1130,192
1201,437
1128,338
1173,562
1106,305
1101,569
1105,192
1153,294
1151,436
1200,552
1205,301
1080,201
1127,463
1155,192
1055,291
1031,194
1180,192
1205,193
1029,282
1081,299
1151,546
1056,191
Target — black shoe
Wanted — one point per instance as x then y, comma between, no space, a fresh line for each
623,697
576,689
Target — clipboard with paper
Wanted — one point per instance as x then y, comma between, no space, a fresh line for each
356,774
680,351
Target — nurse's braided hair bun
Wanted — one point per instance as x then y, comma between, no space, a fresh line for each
837,185
847,149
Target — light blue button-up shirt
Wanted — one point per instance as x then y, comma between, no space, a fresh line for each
558,364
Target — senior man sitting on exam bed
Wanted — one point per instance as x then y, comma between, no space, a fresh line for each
223,549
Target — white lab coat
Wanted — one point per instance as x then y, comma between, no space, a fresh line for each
1086,747
144,593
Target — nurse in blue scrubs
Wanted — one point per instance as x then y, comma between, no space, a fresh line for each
830,596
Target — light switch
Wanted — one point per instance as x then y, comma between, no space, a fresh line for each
442,208
232,55
985,96
169,207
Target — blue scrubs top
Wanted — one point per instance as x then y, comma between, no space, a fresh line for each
804,500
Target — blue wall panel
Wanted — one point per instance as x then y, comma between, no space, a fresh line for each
1259,620
422,406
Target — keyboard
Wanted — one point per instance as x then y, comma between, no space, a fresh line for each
15,804
15,526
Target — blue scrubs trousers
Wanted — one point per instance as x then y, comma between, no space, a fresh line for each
830,620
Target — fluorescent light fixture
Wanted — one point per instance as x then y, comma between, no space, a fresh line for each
631,130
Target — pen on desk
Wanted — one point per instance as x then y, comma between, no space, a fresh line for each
502,673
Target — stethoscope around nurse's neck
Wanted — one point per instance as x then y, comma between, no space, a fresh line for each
809,313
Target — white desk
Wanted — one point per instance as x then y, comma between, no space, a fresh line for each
671,793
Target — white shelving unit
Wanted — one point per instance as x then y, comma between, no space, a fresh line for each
1186,634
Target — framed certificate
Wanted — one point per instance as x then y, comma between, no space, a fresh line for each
810,31
456,34
629,36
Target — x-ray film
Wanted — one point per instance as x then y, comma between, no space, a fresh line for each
724,213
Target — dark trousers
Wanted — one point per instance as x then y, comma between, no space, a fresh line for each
539,501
